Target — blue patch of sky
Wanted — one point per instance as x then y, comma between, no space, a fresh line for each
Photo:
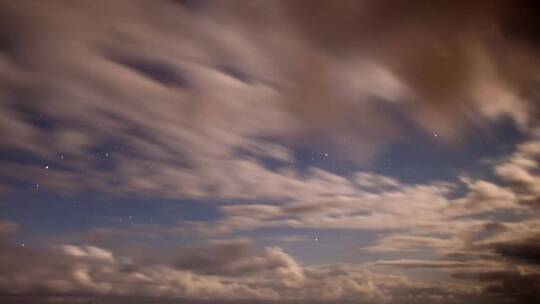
25,158
423,157
318,246
41,214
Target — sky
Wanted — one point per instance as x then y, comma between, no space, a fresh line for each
159,151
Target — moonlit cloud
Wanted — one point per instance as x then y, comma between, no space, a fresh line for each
270,151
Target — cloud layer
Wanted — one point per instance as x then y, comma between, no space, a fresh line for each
164,98
214,102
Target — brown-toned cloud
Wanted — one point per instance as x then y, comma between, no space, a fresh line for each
230,79
193,101
222,271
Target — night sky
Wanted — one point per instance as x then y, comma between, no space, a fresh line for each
325,151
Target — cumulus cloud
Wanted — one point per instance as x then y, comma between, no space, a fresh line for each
233,258
223,270
235,269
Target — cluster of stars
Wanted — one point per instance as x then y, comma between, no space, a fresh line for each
105,155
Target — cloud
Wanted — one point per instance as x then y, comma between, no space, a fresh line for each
484,197
7,229
233,258
404,243
364,206
222,270
449,64
457,230
513,240
235,269
96,271
209,101
513,285
520,170
526,250
290,238
439,216
225,90
427,264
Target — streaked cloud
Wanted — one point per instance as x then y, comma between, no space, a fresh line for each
270,121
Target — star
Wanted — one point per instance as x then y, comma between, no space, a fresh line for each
316,239
47,167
